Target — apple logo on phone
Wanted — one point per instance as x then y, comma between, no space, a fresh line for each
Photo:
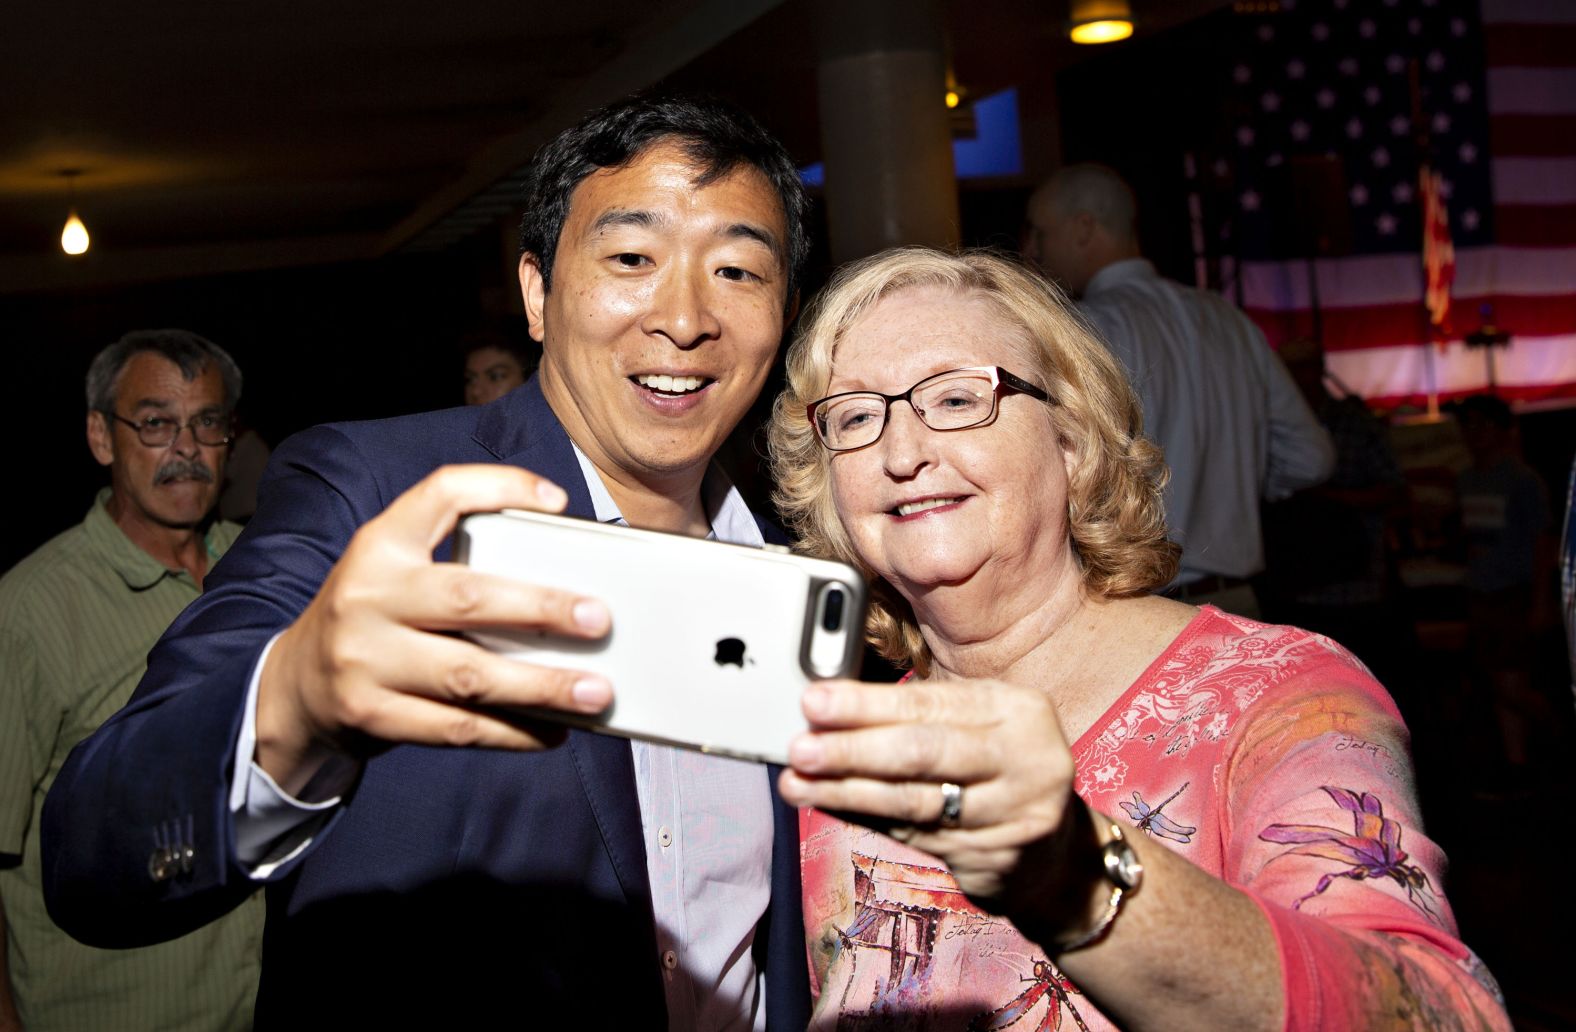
730,651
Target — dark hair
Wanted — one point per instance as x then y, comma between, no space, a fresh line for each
186,349
714,134
1490,408
483,340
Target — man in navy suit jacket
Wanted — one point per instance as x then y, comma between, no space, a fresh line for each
313,722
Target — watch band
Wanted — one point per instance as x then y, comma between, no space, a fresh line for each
1121,868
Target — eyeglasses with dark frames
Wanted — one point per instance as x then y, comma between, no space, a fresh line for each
208,428
957,399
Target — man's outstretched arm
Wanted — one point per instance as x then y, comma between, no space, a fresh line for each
139,837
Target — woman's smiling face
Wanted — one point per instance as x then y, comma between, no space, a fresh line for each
925,508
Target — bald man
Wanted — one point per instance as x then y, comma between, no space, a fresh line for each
1234,427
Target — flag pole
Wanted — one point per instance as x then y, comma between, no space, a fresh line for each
1438,252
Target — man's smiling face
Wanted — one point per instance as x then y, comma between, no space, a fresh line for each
665,313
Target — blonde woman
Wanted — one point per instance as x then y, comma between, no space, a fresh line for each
1097,807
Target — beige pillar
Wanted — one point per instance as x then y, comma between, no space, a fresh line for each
884,127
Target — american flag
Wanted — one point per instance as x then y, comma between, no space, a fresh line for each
1485,96
1439,249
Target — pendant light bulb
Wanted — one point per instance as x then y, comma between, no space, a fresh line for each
1100,21
74,238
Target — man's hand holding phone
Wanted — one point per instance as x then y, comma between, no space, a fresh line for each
368,659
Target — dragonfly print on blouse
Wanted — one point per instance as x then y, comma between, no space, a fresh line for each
1047,982
1152,822
1372,850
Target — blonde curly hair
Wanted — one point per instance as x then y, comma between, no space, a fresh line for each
1114,511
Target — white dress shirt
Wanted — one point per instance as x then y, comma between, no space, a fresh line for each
706,823
1234,427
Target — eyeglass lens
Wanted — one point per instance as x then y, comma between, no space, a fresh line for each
950,402
157,431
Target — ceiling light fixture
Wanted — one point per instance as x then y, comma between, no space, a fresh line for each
1100,21
955,93
74,237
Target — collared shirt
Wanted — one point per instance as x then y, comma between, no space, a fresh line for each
1234,427
706,824
77,618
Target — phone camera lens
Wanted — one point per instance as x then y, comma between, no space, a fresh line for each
832,609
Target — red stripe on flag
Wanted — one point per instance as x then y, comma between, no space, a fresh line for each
1550,315
1374,326
1533,136
1378,326
1529,46
1535,225
1510,392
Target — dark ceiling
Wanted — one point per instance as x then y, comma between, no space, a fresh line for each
220,136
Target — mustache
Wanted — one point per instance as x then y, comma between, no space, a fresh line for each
183,469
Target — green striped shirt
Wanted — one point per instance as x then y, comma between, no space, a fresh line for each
77,618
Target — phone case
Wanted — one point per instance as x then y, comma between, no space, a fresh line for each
712,644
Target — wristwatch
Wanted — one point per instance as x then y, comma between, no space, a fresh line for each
1125,873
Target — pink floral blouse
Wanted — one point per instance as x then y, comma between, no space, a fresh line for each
1267,756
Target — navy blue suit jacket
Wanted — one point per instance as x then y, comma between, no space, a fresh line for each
461,887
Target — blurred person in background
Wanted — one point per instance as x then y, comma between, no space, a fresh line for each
494,366
248,458
1328,566
1508,531
1234,429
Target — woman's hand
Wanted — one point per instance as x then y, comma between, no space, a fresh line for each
1025,845
879,754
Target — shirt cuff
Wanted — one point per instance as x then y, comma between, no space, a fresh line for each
273,827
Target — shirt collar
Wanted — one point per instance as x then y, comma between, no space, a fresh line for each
137,568
731,520
1128,270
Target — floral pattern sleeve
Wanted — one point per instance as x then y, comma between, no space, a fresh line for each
1322,829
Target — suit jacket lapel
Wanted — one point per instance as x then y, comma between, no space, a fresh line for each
522,430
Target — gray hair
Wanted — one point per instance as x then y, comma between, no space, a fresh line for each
1099,191
186,349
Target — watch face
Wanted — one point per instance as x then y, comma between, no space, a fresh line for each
1122,865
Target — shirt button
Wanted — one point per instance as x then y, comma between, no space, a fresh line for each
664,837
670,960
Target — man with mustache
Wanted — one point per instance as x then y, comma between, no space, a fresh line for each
77,618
